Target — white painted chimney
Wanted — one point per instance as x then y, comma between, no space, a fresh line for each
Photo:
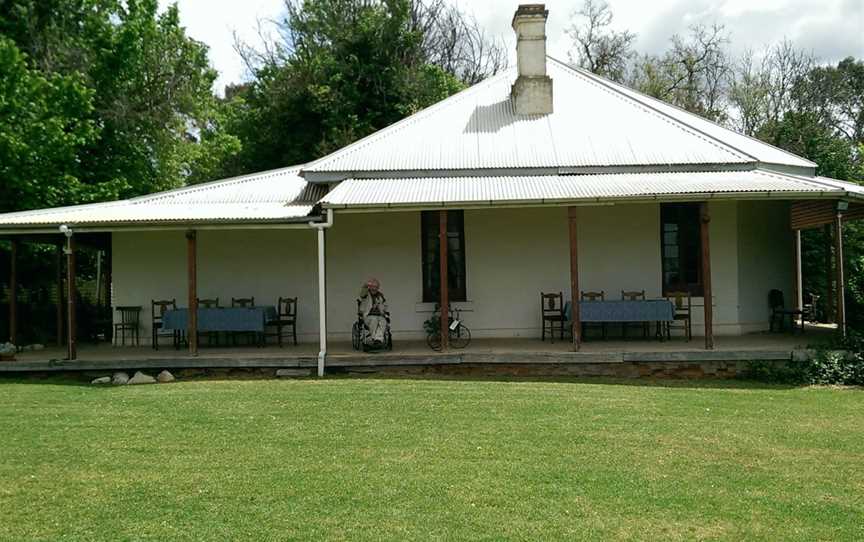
532,91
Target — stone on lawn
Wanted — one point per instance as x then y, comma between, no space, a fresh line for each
141,378
120,379
164,377
101,380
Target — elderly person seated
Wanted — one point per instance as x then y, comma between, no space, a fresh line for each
373,307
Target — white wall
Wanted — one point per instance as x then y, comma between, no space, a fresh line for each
265,264
382,245
765,256
512,255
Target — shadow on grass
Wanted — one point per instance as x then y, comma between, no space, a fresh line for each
80,380
675,383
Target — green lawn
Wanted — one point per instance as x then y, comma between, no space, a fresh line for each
429,459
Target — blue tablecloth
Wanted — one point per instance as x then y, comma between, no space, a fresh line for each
649,310
221,319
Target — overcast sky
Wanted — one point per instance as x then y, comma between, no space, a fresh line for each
832,29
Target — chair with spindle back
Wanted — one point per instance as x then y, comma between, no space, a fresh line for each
157,313
286,317
552,315
634,295
779,312
130,321
594,296
683,304
212,303
243,302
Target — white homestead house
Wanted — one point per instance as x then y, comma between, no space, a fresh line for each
543,178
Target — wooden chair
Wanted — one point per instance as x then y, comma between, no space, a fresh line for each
552,315
634,295
286,317
594,296
130,321
208,303
157,312
683,307
779,312
212,336
243,302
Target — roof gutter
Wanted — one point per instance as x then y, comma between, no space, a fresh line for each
763,195
280,224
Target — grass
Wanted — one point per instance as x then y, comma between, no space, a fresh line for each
366,459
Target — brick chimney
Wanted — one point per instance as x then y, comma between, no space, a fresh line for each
532,91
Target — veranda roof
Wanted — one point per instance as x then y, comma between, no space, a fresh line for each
595,123
279,195
588,188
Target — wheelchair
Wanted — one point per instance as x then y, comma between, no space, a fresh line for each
361,340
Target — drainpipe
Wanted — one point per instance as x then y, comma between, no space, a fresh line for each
322,289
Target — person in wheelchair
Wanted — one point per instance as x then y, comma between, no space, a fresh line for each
374,313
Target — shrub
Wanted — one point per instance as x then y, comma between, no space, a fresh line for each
838,362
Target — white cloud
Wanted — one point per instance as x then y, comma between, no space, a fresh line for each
832,29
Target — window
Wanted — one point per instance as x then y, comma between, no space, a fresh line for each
681,248
455,256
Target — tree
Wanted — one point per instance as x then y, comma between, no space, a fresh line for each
836,96
44,131
341,70
151,86
693,74
455,42
596,47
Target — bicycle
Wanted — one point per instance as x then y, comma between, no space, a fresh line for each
458,333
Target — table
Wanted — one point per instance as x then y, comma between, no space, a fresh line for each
251,319
648,310
623,311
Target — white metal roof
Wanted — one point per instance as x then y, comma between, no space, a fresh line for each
595,123
268,196
471,191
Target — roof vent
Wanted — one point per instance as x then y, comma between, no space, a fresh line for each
532,91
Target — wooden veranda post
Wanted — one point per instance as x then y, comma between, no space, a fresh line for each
59,279
575,319
705,224
829,279
799,280
72,351
445,283
192,267
13,293
838,264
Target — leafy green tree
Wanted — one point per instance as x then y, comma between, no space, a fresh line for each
344,69
45,129
159,124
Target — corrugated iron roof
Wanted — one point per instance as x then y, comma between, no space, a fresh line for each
268,196
436,191
595,123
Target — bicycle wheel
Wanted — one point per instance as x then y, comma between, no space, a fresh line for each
460,337
434,341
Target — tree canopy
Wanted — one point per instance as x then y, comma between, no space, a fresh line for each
343,69
128,91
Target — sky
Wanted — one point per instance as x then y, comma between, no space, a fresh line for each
831,29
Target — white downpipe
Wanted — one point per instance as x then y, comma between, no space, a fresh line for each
322,289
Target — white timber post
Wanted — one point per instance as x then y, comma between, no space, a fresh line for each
322,288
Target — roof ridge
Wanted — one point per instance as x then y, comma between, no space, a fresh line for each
613,85
609,85
191,189
409,120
